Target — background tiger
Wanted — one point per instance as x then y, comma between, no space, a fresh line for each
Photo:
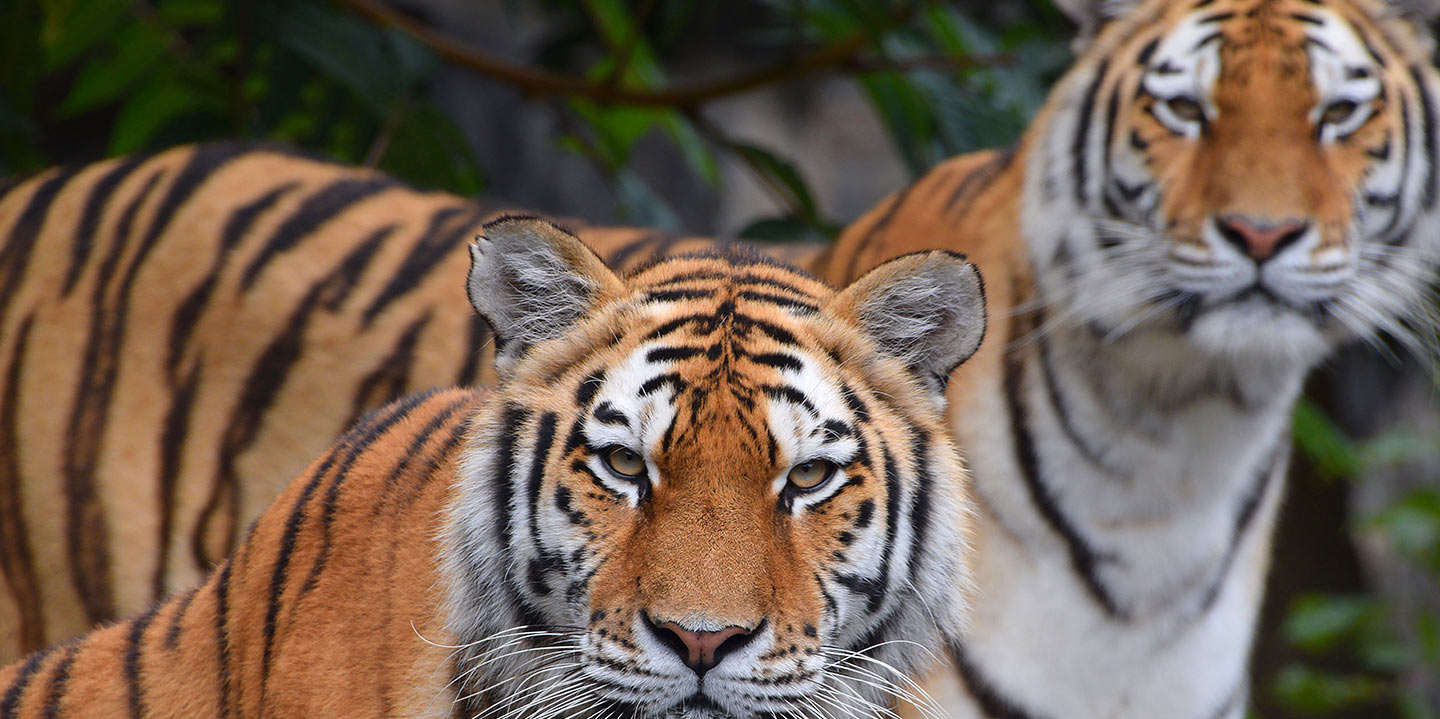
180,334
1218,194
559,546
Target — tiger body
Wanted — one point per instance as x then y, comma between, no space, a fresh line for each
1161,274
180,334
713,488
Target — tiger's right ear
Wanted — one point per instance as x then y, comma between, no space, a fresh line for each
926,309
1091,15
531,281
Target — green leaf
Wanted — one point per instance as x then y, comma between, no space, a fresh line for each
428,150
1319,440
1413,526
1306,690
72,28
1319,623
149,109
696,153
781,177
138,50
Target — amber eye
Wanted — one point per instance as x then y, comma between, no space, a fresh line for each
812,474
1336,113
1185,108
624,462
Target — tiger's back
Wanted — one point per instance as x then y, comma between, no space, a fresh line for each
179,333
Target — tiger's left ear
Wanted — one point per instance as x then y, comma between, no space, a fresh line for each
926,309
532,281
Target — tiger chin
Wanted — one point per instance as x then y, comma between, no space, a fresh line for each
711,488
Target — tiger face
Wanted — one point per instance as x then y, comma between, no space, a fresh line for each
1257,174
717,487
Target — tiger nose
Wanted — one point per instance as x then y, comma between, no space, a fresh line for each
702,649
1258,239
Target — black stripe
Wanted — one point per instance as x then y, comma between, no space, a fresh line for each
355,442
1427,119
172,634
236,226
544,439
607,414
992,702
678,295
391,377
134,645
585,392
619,257
267,377
59,680
20,241
17,563
1083,558
920,507
332,494
1407,131
1078,152
222,635
778,360
1272,467
1055,397
786,393
172,444
511,423
653,384
669,354
89,227
432,247
478,336
422,436
775,299
313,213
883,221
11,699
427,473
86,535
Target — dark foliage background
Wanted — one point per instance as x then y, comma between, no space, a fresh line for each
770,119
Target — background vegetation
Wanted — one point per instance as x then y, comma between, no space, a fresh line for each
357,80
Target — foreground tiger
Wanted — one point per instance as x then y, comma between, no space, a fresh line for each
1218,194
714,488
180,334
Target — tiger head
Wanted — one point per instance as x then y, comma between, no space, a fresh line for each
712,488
1257,175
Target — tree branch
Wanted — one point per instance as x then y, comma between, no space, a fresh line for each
836,54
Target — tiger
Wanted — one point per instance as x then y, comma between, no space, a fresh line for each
712,487
181,332
1215,196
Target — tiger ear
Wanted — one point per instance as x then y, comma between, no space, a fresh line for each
1091,15
531,281
926,309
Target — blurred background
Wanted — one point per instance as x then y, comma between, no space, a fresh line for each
767,119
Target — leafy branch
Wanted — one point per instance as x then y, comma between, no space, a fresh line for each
837,54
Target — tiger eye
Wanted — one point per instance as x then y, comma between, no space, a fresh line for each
624,462
809,475
1185,108
1338,112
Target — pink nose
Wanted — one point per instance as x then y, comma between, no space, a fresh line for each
700,650
1259,239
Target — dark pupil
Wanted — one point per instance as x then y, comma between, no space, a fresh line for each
1339,111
